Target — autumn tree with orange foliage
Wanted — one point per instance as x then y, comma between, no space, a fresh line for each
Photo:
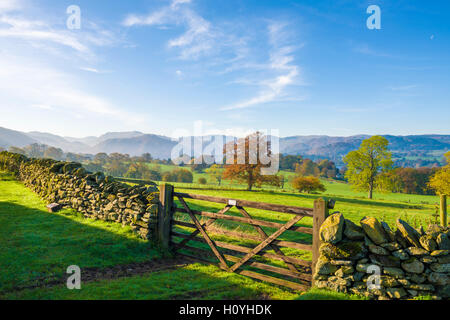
308,184
244,163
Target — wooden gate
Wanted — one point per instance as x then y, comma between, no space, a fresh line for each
290,271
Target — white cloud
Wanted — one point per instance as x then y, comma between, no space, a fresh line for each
25,83
197,40
280,64
175,3
40,33
94,70
227,48
9,5
31,76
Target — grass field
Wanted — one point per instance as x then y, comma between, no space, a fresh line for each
36,247
333,188
415,209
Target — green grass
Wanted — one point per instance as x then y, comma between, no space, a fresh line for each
195,281
334,188
352,208
322,294
202,282
35,244
416,209
37,247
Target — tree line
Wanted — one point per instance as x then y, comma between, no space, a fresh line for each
369,168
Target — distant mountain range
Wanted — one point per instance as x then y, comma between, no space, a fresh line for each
316,147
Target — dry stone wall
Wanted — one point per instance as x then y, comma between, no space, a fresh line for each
92,194
410,262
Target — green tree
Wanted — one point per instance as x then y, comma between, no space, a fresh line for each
289,162
116,168
328,169
54,153
168,176
101,158
35,150
215,172
178,175
440,181
307,168
146,157
183,175
17,150
366,164
282,181
389,181
72,157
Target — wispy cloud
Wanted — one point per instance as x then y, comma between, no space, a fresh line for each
9,5
41,86
15,24
197,40
228,48
281,69
36,79
95,70
403,88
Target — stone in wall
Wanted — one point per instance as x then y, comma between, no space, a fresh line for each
92,194
411,263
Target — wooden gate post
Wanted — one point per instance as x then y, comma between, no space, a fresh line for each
320,214
443,210
165,214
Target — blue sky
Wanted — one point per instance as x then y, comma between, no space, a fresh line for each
158,66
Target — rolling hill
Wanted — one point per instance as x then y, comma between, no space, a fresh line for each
412,147
159,147
14,138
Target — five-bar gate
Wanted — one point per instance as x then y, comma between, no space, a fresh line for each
265,260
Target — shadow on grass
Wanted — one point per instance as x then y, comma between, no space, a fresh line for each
266,216
36,245
195,281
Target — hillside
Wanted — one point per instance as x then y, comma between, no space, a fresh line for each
14,138
407,150
159,147
59,142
